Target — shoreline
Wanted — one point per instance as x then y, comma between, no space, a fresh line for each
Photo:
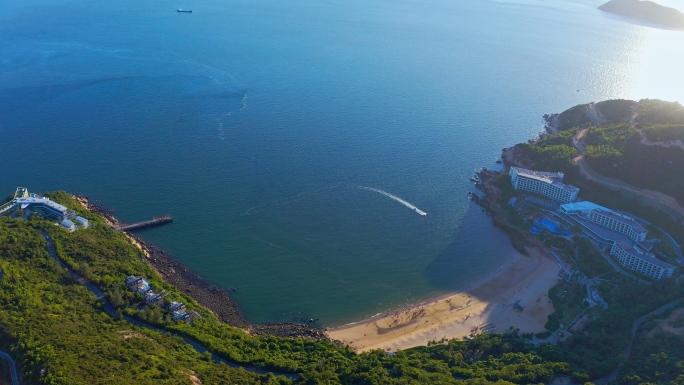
473,283
218,301
486,301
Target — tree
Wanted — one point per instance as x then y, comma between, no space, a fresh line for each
157,314
115,299
84,271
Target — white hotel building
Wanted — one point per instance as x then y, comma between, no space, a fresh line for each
546,183
620,223
634,259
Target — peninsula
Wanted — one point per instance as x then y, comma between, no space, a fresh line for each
648,11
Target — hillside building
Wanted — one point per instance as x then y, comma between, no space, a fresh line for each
608,218
620,223
28,201
152,298
137,284
549,184
634,259
175,306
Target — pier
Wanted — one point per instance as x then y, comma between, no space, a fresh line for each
156,221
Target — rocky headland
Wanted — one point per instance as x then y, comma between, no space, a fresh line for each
203,291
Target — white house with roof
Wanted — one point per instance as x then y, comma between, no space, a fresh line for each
549,184
152,297
67,224
175,306
180,315
137,284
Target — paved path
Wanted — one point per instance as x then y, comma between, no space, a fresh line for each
109,309
12,367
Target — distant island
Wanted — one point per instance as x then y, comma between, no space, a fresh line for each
648,11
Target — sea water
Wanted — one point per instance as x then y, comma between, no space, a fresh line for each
255,122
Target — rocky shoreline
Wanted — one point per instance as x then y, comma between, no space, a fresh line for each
203,291
490,203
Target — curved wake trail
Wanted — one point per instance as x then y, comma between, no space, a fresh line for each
396,198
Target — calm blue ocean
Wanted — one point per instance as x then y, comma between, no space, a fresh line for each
255,123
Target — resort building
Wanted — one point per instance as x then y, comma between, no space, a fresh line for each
633,259
620,223
51,209
28,201
608,218
549,184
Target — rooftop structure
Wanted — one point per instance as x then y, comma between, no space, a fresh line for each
82,222
152,298
132,280
549,184
137,284
175,306
22,192
69,225
646,264
180,315
583,207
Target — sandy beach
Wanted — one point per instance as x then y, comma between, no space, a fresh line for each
525,280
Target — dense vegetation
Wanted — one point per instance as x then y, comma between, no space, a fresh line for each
58,333
658,357
554,152
597,351
616,151
614,111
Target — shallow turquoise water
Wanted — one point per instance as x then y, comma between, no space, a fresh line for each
254,123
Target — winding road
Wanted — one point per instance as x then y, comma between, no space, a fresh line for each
109,309
12,367
653,198
628,349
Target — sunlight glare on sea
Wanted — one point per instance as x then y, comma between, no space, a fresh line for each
658,72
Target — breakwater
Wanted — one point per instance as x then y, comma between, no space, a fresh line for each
156,221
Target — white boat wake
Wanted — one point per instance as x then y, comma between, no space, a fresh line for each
396,198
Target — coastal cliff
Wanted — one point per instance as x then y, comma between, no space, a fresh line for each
648,11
